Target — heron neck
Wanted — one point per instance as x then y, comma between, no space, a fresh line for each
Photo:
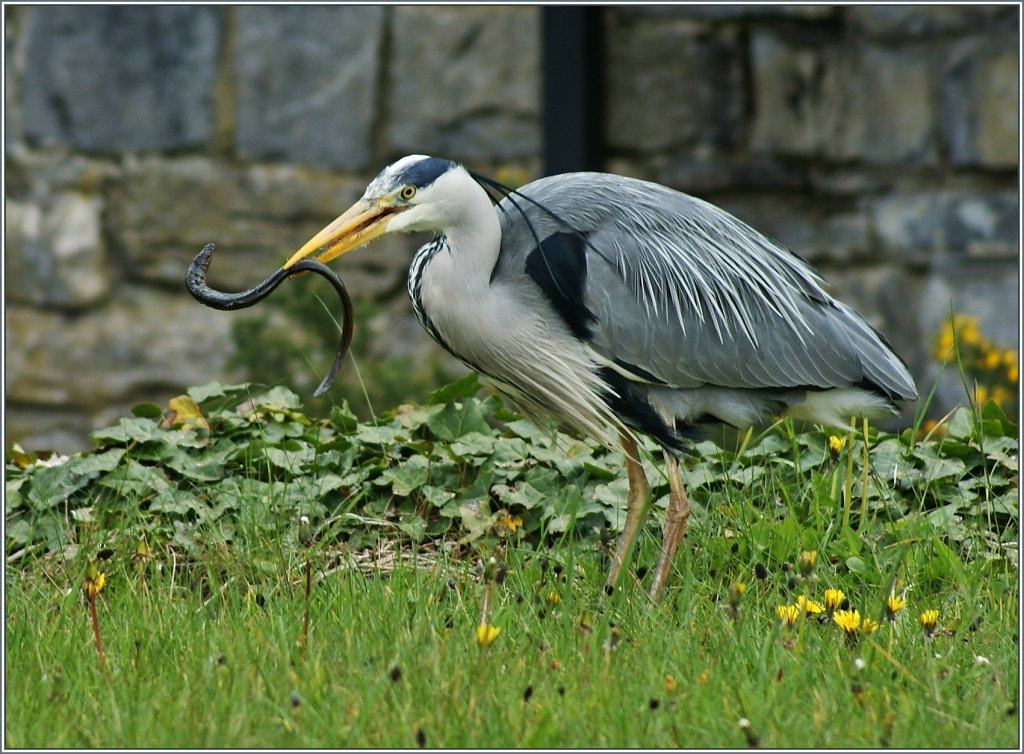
473,243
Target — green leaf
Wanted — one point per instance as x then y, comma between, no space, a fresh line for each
856,565
18,533
136,480
343,418
476,519
377,436
290,460
278,398
523,494
455,420
215,390
467,387
148,411
138,429
407,477
179,503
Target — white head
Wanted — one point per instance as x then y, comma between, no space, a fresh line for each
416,193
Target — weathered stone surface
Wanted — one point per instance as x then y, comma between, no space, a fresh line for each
465,82
14,65
723,12
42,428
144,340
54,253
672,85
111,78
972,224
161,212
863,102
307,82
707,175
980,103
900,21
878,142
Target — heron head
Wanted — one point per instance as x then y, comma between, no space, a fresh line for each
416,193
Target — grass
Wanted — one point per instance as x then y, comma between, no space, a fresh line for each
203,610
211,655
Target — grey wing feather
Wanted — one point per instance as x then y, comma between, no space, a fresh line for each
693,296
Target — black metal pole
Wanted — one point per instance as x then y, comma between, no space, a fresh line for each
573,68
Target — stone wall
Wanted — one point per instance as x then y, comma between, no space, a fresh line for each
879,142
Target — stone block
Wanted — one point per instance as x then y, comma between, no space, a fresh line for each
902,21
844,102
60,430
465,82
673,85
629,12
307,82
114,78
54,252
140,342
979,224
980,99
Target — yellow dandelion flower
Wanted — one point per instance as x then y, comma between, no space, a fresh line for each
736,590
510,523
553,598
705,674
94,581
836,443
968,330
788,614
805,605
1000,394
1011,373
671,684
928,619
1010,357
486,634
993,359
807,560
833,599
847,620
868,625
893,604
980,394
945,343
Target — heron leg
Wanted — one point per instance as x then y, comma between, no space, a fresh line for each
635,506
675,525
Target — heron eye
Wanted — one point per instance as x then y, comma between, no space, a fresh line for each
407,192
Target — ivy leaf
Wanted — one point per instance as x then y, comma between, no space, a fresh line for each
467,387
290,458
148,411
211,390
343,418
455,420
136,480
126,431
407,477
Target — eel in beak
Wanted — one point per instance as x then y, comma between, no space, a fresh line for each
195,281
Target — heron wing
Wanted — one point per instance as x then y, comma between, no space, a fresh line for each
673,290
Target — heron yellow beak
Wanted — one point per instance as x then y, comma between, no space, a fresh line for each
359,225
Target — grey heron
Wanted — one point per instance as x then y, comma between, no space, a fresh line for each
621,307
